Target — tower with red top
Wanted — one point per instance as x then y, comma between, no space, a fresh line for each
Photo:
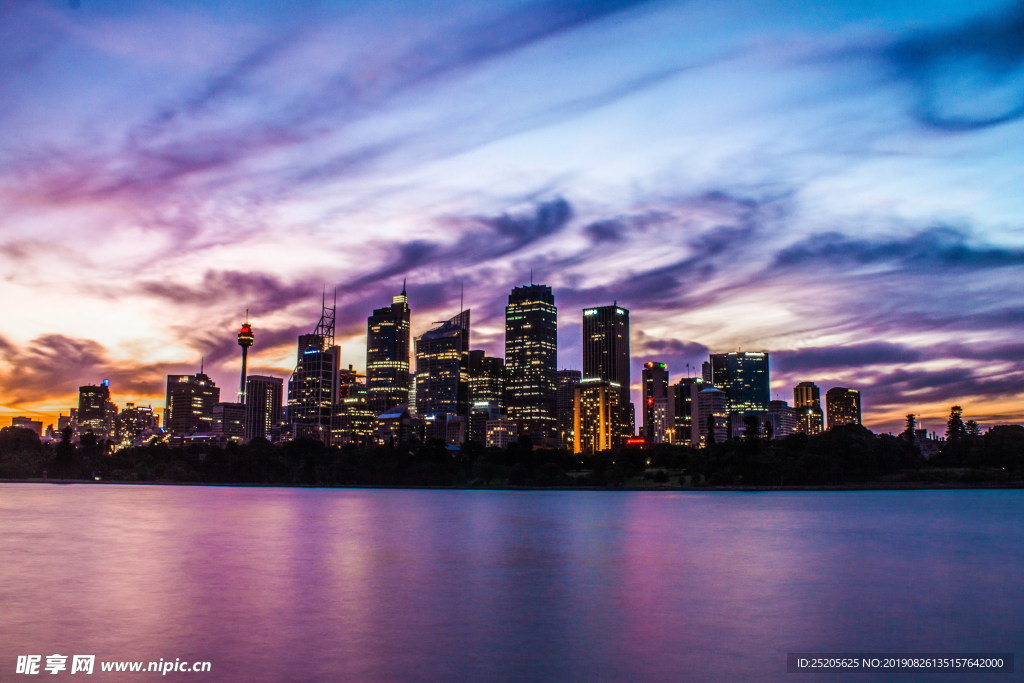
245,340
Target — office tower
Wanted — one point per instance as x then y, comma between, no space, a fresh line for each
807,403
783,419
388,378
606,347
683,414
655,402
487,391
28,423
743,375
606,357
566,382
228,421
263,406
356,423
190,401
313,387
442,356
843,406
596,411
245,340
96,412
531,338
712,425
134,422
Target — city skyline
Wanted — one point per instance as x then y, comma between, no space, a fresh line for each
837,186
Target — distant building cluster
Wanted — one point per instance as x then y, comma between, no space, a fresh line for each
435,386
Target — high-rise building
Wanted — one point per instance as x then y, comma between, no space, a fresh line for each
531,339
606,357
356,423
843,406
743,375
783,419
388,379
190,401
596,414
313,387
228,421
263,413
655,402
712,425
96,413
807,403
487,391
683,410
566,382
606,346
442,373
134,422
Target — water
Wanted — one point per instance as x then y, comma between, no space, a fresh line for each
276,584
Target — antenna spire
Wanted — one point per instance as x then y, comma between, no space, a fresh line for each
462,293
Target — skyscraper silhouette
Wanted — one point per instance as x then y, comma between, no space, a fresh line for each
313,387
387,354
442,355
531,359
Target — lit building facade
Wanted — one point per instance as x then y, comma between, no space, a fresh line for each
598,423
388,379
684,411
606,357
134,422
229,421
263,409
442,372
807,403
314,385
843,406
712,423
189,406
566,382
743,375
96,413
655,402
784,420
531,359
487,392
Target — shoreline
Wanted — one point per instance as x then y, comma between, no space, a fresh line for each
860,486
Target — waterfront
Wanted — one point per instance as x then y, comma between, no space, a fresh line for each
326,584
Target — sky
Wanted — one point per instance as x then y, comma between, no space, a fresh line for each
839,184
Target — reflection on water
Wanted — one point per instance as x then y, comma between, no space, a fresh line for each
277,584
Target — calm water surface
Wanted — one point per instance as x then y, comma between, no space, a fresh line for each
274,584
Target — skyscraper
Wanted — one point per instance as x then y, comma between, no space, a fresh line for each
684,413
843,406
596,413
606,346
531,337
743,375
313,387
262,406
442,374
606,358
712,424
807,403
566,382
96,413
487,392
387,354
655,402
190,401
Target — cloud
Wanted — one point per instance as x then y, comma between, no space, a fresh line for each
824,358
966,77
927,250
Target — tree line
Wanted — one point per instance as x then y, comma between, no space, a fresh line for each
845,455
